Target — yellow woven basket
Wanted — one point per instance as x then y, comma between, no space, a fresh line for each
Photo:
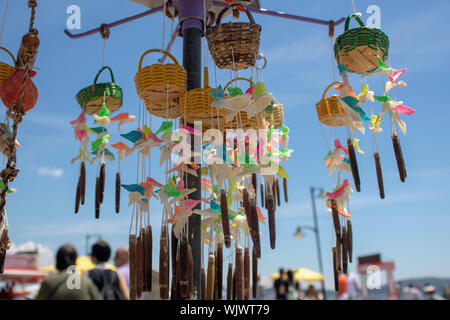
5,69
164,109
329,110
276,117
157,82
195,105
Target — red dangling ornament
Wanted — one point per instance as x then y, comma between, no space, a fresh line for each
10,90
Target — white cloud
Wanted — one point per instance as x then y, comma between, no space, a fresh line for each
50,172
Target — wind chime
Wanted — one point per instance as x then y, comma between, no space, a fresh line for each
364,51
98,100
19,94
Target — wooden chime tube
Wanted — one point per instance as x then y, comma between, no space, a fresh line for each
263,199
164,264
247,274
285,188
132,258
177,280
254,228
350,240
255,184
139,262
239,271
149,258
82,181
271,216
210,278
174,250
78,197
184,276
117,192
335,214
102,182
274,194
338,254
219,267
254,272
353,165
399,158
246,205
230,282
203,283
144,259
225,221
266,192
344,249
234,285
376,156
97,198
190,268
277,186
335,272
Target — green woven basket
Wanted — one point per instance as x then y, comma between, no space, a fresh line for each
92,97
357,48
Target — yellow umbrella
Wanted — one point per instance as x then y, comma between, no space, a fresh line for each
303,274
83,262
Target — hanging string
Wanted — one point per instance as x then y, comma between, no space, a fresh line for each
3,21
353,6
164,24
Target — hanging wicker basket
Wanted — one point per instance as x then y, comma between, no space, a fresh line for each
5,69
164,109
160,82
92,97
195,105
358,48
329,110
234,45
275,117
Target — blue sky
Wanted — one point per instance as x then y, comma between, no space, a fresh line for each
409,227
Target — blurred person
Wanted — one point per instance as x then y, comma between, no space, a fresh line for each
58,286
121,261
311,293
111,285
352,286
343,288
280,286
430,293
416,294
407,292
292,286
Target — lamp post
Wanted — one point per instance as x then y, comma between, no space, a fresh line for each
299,234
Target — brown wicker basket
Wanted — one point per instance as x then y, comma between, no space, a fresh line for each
234,45
329,110
195,105
157,82
164,109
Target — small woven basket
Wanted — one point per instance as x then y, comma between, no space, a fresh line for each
234,45
241,119
276,116
195,105
358,48
5,69
164,109
92,97
329,110
159,82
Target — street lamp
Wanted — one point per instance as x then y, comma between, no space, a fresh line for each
299,233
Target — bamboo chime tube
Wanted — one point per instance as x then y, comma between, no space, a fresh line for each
353,165
117,192
344,249
210,278
274,194
132,258
239,271
184,257
219,267
285,188
335,214
234,285
399,158
82,182
102,182
254,272
376,156
350,240
97,198
139,262
177,280
225,221
246,274
254,228
164,264
335,272
262,196
203,283
78,197
255,184
230,281
271,216
190,268
338,254
277,186
174,249
149,257
144,259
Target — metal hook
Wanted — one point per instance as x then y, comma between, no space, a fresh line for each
259,57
